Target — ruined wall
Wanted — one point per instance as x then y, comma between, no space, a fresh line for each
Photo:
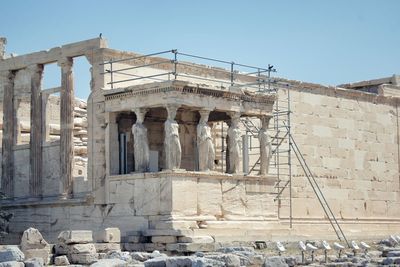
350,141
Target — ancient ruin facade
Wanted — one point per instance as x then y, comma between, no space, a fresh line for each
167,149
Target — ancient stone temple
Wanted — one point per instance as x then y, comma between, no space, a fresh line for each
165,147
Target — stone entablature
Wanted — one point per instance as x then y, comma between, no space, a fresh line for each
190,95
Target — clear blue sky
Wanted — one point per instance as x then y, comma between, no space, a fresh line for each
327,42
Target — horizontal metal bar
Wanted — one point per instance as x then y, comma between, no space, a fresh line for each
137,67
206,79
206,58
134,75
144,77
132,58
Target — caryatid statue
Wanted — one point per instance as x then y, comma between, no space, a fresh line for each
234,144
172,144
141,143
265,146
205,145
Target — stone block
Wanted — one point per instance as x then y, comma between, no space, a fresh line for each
34,262
81,249
39,253
190,247
110,235
196,239
61,261
11,253
109,263
147,196
107,247
32,239
83,258
163,232
165,239
12,264
133,246
209,194
75,237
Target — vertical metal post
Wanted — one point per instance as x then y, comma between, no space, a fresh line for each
245,141
111,73
232,78
289,160
258,80
222,146
269,77
175,62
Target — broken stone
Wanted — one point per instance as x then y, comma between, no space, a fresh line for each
61,260
275,261
83,258
32,239
72,237
229,260
34,262
38,253
125,256
110,235
81,249
109,263
190,247
195,239
107,247
12,264
164,239
11,253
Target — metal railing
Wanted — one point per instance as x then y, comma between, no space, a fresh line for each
172,65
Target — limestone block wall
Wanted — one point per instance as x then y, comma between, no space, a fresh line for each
350,142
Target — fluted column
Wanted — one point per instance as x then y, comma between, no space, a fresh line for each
7,179
67,126
35,179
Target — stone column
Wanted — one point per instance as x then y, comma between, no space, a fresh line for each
3,42
172,145
7,179
140,142
111,143
35,179
265,146
234,144
205,146
67,126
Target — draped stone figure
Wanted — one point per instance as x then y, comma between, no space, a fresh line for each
172,143
265,146
141,143
205,145
234,144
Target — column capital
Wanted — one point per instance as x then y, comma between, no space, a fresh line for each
65,63
172,109
140,114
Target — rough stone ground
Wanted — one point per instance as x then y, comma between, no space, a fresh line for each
383,253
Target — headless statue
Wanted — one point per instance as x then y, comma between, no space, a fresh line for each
141,144
172,143
234,145
205,145
265,146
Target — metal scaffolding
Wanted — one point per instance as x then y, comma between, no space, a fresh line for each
238,76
